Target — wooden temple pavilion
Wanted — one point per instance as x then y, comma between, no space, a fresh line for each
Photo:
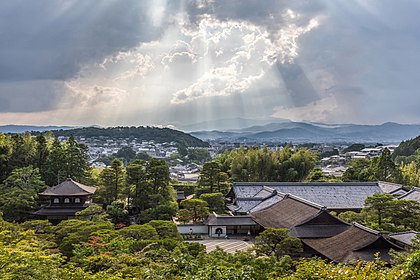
65,200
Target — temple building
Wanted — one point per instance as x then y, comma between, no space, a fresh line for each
65,200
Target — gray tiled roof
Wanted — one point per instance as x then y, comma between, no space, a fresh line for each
404,237
244,205
267,203
332,195
388,187
414,194
69,188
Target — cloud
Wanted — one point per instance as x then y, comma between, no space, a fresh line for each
319,111
178,61
30,96
54,39
93,96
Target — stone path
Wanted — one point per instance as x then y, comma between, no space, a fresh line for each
229,246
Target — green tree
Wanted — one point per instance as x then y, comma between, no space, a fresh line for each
126,153
199,155
19,193
381,204
317,175
23,151
137,177
42,152
277,242
117,212
184,216
165,229
384,168
54,172
113,181
215,201
94,213
5,154
71,232
405,214
198,207
410,174
139,232
255,164
75,161
358,170
208,175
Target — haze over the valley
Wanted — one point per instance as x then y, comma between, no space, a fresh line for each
108,63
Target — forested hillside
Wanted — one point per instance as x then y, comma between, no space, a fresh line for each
148,133
407,148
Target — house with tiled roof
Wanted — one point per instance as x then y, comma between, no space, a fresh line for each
356,243
221,226
65,200
335,196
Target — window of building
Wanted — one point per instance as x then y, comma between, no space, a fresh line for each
77,200
66,200
56,200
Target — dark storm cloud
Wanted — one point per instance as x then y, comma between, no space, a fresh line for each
29,96
48,39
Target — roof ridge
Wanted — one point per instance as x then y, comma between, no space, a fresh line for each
321,211
303,183
282,195
308,202
268,188
365,228
404,232
389,183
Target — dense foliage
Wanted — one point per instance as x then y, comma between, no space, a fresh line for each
385,213
264,165
381,168
38,250
159,135
407,148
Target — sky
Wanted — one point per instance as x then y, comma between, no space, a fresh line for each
174,62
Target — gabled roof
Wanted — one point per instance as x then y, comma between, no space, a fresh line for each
69,188
404,237
333,195
322,225
286,213
356,243
216,220
413,194
388,187
267,203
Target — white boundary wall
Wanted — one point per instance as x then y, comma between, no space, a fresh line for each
196,229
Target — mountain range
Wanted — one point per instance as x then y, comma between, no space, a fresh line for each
304,132
277,130
12,128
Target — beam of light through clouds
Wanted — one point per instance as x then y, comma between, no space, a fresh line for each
179,62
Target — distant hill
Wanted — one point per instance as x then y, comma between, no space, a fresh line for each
228,124
159,135
315,132
28,128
